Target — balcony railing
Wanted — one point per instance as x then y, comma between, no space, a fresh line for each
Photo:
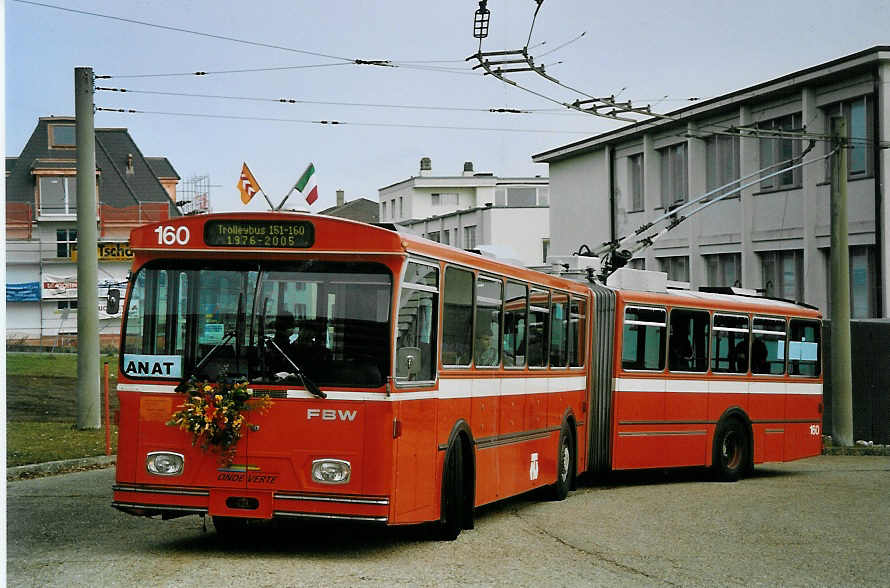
113,221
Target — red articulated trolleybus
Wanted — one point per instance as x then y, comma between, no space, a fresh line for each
278,365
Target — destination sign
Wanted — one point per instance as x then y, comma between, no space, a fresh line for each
259,233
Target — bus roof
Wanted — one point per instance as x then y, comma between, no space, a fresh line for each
718,301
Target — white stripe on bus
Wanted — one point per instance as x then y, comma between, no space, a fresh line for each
715,386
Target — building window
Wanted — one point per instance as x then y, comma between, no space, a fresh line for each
392,208
433,236
401,207
58,195
782,274
863,290
724,269
635,182
723,162
674,178
382,210
445,200
66,242
522,196
778,152
677,268
445,237
858,115
545,250
637,264
62,136
470,237
66,305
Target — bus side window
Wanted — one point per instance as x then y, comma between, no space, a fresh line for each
729,344
804,351
559,322
417,319
515,320
688,342
457,315
538,328
489,302
768,346
643,338
577,331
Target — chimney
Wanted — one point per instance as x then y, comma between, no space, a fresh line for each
468,168
426,166
341,199
130,168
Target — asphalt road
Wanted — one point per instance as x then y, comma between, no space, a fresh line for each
821,521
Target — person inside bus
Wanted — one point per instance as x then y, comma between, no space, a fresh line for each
486,347
738,357
284,329
759,357
309,347
680,347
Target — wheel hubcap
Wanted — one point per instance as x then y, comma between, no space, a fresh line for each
566,456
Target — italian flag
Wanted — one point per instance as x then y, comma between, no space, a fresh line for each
306,185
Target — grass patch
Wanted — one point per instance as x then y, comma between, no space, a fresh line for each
33,442
60,365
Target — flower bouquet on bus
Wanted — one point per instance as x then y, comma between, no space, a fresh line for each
216,413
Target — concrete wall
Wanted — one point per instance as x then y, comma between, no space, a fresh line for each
579,202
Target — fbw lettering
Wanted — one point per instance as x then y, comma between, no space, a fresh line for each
329,414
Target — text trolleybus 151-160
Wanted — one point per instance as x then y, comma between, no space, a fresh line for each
408,381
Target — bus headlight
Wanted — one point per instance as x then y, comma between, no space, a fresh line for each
331,471
164,463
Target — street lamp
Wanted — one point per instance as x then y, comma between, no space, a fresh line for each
480,21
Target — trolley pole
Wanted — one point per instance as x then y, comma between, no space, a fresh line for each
88,388
841,369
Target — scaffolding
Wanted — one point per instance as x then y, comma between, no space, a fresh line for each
193,195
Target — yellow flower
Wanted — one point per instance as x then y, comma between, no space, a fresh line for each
218,398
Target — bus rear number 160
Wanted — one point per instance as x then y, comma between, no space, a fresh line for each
172,235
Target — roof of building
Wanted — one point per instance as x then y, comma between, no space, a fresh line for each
475,180
10,164
862,60
360,209
162,167
122,182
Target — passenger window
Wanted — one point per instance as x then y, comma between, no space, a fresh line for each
457,315
538,327
804,351
729,344
643,338
416,339
688,342
515,321
488,322
577,331
559,323
768,346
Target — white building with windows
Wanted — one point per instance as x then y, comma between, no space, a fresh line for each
41,228
774,235
504,217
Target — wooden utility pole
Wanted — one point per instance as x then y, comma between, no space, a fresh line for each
841,369
88,389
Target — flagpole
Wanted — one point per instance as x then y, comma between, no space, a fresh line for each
286,196
271,207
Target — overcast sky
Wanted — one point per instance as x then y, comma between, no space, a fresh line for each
643,51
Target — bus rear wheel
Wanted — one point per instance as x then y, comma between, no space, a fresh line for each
732,450
565,465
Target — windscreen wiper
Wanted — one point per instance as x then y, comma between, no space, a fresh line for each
307,383
204,360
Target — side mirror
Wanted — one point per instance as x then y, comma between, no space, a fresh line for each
408,363
113,301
